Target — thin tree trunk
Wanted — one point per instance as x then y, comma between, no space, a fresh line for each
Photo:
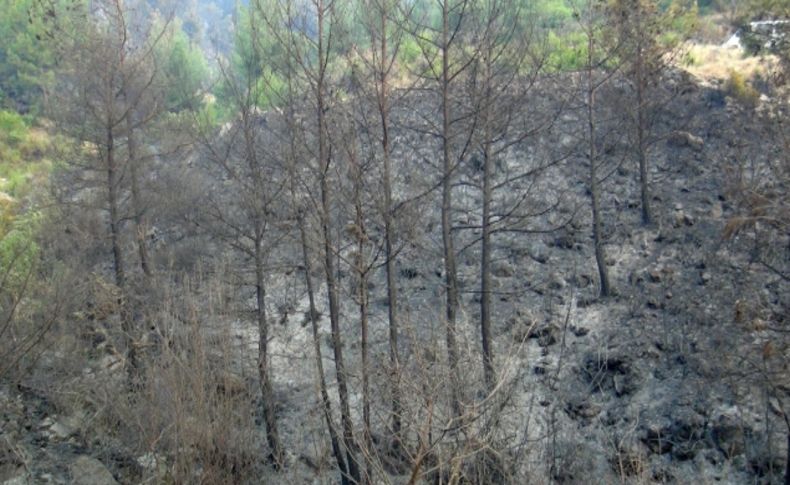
329,265
392,289
451,280
787,465
112,193
337,451
362,293
644,182
267,393
127,323
485,265
137,203
600,258
337,340
326,403
382,77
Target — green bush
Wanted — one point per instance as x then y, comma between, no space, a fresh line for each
739,89
13,129
689,59
18,254
567,52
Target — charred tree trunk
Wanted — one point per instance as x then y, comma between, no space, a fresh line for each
329,263
337,450
137,202
450,274
326,403
267,394
600,257
337,339
127,322
787,465
641,142
392,289
363,300
112,199
485,265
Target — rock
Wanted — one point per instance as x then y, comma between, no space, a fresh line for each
729,434
89,471
612,373
21,479
583,409
546,334
656,439
684,139
63,428
620,385
654,275
717,212
580,331
522,325
766,463
683,219
154,465
565,239
683,435
503,269
582,280
409,273
538,253
556,281
654,304
547,340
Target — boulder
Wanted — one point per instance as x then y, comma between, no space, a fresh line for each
87,470
613,373
684,139
503,269
547,333
682,434
728,434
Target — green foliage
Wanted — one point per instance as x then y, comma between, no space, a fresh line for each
26,50
13,129
184,67
738,88
689,59
253,70
23,152
255,46
409,53
567,52
681,21
13,136
18,254
553,14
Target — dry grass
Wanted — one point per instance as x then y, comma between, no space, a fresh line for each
715,63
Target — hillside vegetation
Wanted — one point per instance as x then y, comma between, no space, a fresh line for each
376,241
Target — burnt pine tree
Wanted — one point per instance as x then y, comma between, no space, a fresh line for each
107,74
382,22
596,72
446,59
246,216
645,53
310,42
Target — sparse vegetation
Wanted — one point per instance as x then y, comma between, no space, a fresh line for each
376,241
741,90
